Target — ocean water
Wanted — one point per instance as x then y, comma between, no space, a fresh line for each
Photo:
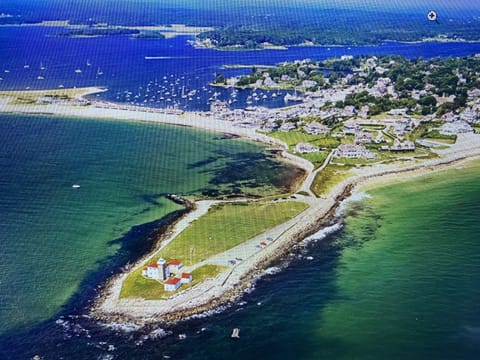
399,280
178,76
55,237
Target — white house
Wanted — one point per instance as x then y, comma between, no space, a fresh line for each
350,127
186,278
174,265
315,128
457,127
287,126
351,151
304,148
157,270
172,284
400,146
363,137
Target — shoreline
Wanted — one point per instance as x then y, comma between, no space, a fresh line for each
229,286
234,284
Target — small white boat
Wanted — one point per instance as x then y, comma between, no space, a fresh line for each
78,71
235,333
40,78
75,186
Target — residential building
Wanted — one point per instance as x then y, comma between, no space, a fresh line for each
456,127
186,278
304,148
351,151
172,284
315,128
174,265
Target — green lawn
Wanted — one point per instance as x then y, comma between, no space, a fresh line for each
292,138
316,158
223,227
136,286
228,225
328,178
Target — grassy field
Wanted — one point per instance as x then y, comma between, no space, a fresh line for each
223,227
328,178
136,286
291,138
228,225
316,158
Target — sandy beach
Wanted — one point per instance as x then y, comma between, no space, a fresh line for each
227,286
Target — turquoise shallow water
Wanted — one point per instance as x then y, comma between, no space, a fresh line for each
53,236
400,280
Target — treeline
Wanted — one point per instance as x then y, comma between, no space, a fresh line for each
329,27
99,32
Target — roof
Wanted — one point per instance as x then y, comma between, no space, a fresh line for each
172,281
153,265
186,275
174,262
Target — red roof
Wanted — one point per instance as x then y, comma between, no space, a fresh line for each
174,262
154,265
172,281
186,275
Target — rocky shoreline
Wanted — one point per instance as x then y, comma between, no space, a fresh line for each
232,294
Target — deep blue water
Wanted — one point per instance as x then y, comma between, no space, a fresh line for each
180,69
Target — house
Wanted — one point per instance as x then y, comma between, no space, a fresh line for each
270,126
157,270
456,127
172,284
351,151
186,278
397,112
315,128
400,146
307,84
305,148
174,265
350,127
363,137
287,126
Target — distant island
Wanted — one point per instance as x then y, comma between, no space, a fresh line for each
337,28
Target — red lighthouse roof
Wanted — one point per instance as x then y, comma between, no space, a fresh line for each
172,281
174,262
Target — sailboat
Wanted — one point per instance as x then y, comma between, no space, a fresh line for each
99,72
